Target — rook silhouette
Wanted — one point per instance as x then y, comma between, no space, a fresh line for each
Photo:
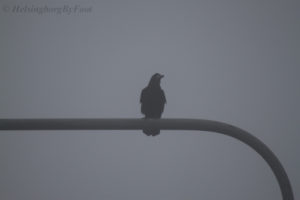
153,102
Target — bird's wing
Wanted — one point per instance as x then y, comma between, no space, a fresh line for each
164,96
142,100
143,94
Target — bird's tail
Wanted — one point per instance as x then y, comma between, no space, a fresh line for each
151,131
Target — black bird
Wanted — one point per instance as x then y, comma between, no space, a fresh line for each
153,101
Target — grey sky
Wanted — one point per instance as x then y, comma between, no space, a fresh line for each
232,61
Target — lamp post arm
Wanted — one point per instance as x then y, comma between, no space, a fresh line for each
163,124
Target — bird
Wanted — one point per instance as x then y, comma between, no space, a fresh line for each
153,101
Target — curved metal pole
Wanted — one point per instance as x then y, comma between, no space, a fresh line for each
164,124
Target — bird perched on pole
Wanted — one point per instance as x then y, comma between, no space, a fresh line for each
153,101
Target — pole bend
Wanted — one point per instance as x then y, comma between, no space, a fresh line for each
164,124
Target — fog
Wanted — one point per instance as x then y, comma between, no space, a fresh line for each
231,61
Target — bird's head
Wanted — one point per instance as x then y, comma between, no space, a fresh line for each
155,79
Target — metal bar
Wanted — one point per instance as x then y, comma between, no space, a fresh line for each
163,124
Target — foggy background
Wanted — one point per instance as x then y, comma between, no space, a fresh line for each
232,61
